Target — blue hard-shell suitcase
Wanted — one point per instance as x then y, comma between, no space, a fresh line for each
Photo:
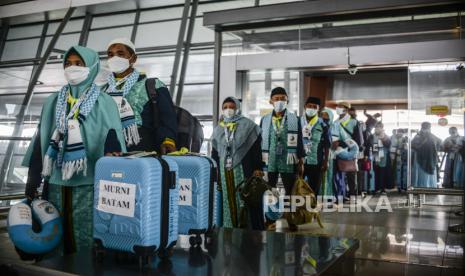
135,205
199,197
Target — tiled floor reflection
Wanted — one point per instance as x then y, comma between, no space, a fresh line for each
408,241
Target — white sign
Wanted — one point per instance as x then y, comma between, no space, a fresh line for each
185,192
117,198
20,214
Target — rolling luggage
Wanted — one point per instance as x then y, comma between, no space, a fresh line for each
198,201
135,205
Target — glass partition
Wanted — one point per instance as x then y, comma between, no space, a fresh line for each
257,89
436,123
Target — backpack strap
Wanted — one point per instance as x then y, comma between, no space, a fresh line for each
152,94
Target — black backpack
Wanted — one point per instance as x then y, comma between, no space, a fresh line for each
190,132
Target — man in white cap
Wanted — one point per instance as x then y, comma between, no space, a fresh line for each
146,109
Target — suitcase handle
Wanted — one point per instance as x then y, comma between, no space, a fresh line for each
172,180
139,154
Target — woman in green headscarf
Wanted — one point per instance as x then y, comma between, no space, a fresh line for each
236,148
78,125
327,180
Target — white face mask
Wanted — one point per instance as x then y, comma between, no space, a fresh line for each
311,112
340,110
118,64
228,113
279,106
102,76
76,74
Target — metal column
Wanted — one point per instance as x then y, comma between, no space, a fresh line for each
27,98
216,76
5,29
85,29
187,48
182,32
135,26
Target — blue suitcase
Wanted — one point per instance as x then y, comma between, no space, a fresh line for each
135,205
199,199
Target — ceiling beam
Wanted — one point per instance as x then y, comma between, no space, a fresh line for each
322,11
37,6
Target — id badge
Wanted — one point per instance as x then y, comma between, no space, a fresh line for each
306,133
308,147
228,163
292,140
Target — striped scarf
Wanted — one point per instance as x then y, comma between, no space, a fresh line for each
66,149
292,122
128,120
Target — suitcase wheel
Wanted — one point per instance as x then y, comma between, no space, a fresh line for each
144,261
99,251
165,253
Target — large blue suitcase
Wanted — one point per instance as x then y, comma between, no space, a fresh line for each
199,199
135,205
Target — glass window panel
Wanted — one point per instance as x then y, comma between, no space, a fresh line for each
98,40
156,66
198,99
17,175
157,34
51,79
113,6
74,25
25,31
113,20
161,14
255,99
436,95
64,42
21,49
199,68
202,33
15,79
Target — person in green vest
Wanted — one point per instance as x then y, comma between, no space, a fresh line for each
236,148
344,128
144,129
379,145
316,142
282,147
78,125
327,182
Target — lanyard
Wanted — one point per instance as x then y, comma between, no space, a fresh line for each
74,109
278,124
311,123
229,138
345,120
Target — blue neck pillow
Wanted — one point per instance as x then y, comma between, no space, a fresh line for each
20,226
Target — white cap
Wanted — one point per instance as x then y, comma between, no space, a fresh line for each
124,41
